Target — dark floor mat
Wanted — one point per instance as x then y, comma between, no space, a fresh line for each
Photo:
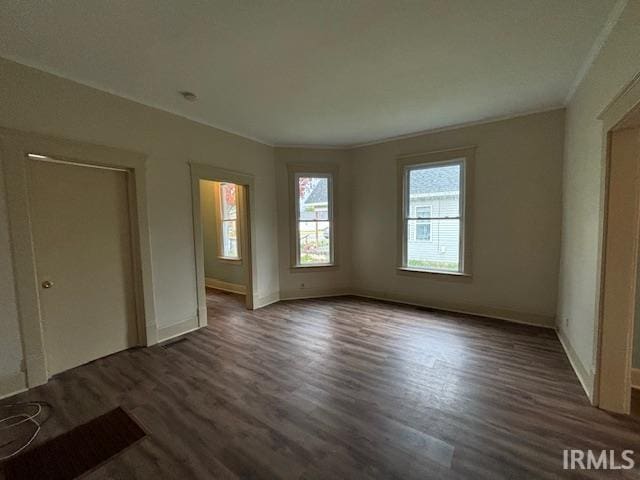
77,451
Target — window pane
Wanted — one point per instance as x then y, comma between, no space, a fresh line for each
229,239
423,211
314,242
423,230
228,199
313,198
434,191
441,251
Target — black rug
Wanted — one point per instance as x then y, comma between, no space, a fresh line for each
77,451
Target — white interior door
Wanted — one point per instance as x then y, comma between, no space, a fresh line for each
82,242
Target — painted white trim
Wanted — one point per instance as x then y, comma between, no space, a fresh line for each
611,391
330,171
465,157
14,147
347,146
175,330
598,43
248,222
635,378
305,146
226,286
13,384
419,133
308,293
584,377
494,313
263,301
456,126
89,84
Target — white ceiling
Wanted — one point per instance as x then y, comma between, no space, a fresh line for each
322,72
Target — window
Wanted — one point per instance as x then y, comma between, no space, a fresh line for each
228,221
434,212
423,227
314,230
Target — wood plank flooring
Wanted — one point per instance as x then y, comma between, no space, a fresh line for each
635,402
342,388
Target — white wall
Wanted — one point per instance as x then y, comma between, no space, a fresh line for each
615,66
38,102
316,281
516,223
10,343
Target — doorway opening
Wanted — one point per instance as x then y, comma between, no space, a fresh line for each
618,353
222,213
223,228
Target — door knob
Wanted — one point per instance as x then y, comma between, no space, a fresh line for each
47,284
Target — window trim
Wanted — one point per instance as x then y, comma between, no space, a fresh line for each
464,156
330,172
219,219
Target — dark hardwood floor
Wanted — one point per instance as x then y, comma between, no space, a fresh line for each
635,402
343,388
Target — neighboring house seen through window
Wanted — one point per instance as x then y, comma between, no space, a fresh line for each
313,219
433,215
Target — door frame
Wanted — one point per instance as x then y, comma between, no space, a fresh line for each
15,145
199,172
616,303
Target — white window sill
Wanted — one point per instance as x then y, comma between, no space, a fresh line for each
421,271
324,266
230,260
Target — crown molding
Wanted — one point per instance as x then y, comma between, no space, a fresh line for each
598,43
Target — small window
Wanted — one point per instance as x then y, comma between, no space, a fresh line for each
433,212
228,221
423,227
313,219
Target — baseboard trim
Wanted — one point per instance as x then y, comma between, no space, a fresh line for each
177,329
480,311
635,378
13,384
225,286
263,301
585,379
314,293
477,310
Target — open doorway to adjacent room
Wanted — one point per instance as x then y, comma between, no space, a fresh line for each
222,237
222,213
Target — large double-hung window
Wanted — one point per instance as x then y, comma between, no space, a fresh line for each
313,217
434,212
